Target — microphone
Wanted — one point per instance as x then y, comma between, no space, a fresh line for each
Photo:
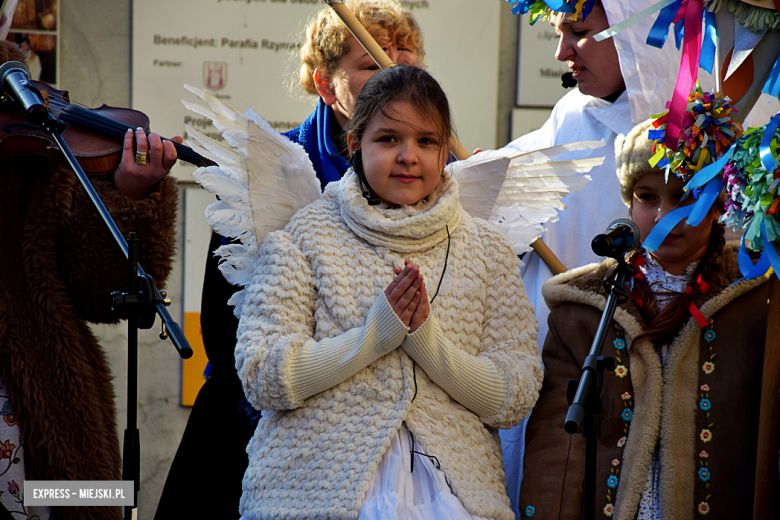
15,82
622,237
357,165
568,80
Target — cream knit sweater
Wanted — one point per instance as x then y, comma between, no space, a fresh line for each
321,351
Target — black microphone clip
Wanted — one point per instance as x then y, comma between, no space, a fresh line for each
357,165
622,237
568,81
15,83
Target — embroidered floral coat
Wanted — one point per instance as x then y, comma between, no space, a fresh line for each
701,408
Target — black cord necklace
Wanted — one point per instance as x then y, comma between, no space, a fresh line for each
414,364
444,270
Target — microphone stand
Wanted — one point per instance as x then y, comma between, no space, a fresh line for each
142,301
585,395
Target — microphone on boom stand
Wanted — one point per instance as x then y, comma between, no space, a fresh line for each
622,236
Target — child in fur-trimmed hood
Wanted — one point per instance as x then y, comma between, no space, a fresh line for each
680,412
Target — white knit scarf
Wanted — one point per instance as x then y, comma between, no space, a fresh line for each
404,229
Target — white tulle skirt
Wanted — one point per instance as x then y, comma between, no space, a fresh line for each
397,493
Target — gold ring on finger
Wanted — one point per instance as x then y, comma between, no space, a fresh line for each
141,158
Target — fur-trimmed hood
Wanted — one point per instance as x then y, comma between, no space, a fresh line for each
669,405
584,285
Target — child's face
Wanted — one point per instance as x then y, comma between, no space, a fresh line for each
402,156
652,199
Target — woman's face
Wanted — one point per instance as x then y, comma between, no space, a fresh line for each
402,156
354,69
652,199
594,64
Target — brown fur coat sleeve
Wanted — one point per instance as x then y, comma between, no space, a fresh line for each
92,262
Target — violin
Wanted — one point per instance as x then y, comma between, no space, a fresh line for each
94,134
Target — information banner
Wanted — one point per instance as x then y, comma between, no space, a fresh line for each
246,53
539,73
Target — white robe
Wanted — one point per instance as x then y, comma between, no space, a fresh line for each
576,117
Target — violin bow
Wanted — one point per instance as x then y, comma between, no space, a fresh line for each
383,60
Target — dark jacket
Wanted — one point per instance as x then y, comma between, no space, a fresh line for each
703,418
59,265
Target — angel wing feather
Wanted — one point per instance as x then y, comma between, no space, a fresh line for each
262,180
520,191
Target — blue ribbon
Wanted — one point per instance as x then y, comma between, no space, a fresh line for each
661,230
764,150
772,85
522,6
333,165
746,266
587,8
559,6
660,29
770,251
679,32
707,173
631,21
707,198
655,135
709,43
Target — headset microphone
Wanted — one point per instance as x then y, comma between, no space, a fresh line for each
357,165
568,81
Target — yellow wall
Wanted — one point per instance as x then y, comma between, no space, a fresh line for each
192,376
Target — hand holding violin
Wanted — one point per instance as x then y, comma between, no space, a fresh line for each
136,176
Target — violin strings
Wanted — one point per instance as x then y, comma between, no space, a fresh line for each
80,114
62,101
83,116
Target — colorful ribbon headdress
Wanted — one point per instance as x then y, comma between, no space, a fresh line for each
748,170
707,132
543,9
705,145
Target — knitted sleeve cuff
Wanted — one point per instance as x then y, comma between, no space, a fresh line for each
471,380
320,365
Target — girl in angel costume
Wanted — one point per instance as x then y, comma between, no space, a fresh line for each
679,421
387,333
333,67
382,395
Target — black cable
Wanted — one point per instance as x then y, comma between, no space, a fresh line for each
414,377
444,270
414,365
433,458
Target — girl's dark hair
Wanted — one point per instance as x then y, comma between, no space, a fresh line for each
402,83
661,327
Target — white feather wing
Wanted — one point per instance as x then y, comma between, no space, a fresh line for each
262,180
518,191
